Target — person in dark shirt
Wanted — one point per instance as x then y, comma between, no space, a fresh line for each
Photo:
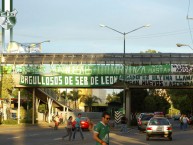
124,121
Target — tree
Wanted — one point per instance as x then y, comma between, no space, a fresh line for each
182,99
74,96
137,99
156,101
113,98
149,51
63,95
7,86
89,100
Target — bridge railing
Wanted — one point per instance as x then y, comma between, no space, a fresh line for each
51,93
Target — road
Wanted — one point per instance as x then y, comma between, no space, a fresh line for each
34,135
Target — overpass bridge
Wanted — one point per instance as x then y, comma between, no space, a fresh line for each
97,58
135,70
99,70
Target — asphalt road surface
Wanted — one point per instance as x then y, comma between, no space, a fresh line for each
46,135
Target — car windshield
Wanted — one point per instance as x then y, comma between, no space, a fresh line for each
159,121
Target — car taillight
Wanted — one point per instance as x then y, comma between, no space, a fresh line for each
149,128
169,128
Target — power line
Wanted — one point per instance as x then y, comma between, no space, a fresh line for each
188,21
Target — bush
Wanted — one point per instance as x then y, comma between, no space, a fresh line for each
10,122
25,121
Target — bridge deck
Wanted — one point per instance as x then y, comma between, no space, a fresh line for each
97,58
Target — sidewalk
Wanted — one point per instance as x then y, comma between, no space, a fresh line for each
39,124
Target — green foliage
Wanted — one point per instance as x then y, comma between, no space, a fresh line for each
141,101
89,100
182,99
15,122
156,103
10,122
26,121
113,98
7,86
42,108
23,93
74,95
64,95
23,113
137,98
149,51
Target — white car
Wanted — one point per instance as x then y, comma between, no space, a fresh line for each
159,127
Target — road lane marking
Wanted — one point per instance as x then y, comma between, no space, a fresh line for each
15,137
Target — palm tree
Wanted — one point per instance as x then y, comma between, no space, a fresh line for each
113,98
63,94
74,96
89,100
64,97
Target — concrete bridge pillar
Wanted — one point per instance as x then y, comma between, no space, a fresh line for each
33,107
49,108
128,105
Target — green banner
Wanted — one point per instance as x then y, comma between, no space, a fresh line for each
94,69
111,69
106,80
68,80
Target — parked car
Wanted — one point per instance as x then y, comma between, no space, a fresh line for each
142,122
159,127
140,115
177,117
84,122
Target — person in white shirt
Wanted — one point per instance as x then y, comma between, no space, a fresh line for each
185,122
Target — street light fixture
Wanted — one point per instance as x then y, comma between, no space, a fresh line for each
180,45
124,34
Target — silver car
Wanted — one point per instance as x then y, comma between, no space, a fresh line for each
159,127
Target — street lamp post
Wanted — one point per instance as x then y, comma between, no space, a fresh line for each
180,45
124,71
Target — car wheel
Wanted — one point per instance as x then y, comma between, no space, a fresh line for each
147,137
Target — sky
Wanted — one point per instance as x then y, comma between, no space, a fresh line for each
72,26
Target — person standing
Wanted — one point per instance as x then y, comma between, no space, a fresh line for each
185,122
101,130
181,121
61,118
78,127
124,121
68,128
56,122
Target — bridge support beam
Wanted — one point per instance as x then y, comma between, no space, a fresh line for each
33,107
49,108
18,110
128,105
37,105
66,113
